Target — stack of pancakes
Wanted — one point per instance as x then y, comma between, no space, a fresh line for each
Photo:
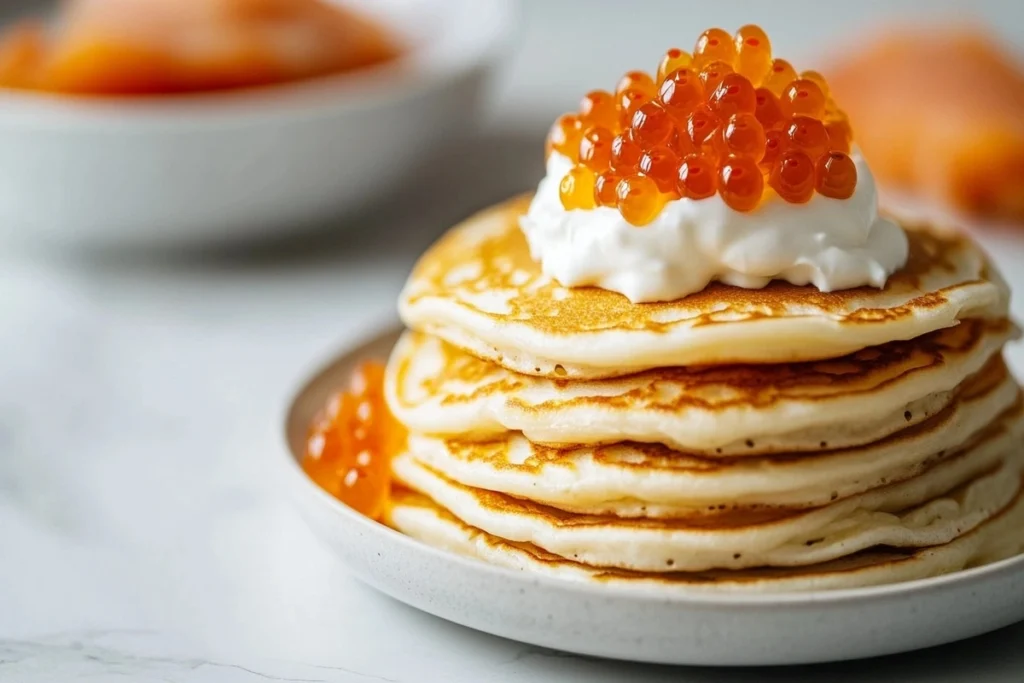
773,439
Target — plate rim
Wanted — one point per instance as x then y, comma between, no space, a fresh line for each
681,597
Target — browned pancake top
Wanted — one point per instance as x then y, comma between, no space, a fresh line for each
499,265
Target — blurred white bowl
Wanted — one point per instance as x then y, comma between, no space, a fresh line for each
215,168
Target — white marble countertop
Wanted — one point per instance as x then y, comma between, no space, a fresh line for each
140,536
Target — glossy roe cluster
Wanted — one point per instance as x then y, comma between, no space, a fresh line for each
728,119
351,443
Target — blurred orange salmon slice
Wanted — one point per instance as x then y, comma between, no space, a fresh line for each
168,46
940,113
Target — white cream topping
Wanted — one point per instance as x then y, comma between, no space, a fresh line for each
830,243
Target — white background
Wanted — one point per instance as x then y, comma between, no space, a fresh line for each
141,537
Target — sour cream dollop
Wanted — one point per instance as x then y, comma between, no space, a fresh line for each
830,243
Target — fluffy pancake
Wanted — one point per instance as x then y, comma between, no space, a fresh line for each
478,289
650,480
1000,537
933,508
436,388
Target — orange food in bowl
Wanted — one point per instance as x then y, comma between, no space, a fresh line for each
137,47
940,114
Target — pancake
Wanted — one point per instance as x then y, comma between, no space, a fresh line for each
478,289
948,499
1000,537
436,388
651,480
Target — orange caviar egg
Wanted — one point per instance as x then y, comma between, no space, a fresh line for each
599,108
767,109
840,134
743,135
697,177
637,80
680,142
604,189
625,154
714,45
596,148
651,125
803,97
776,141
780,74
734,95
792,177
639,199
740,183
564,136
753,53
711,75
681,92
836,176
661,164
673,60
808,134
629,101
351,443
577,188
701,127
818,80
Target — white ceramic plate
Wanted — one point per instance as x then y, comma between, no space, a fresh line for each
209,168
606,621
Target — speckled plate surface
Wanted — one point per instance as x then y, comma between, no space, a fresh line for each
610,621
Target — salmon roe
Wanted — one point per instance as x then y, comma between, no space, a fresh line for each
625,154
698,176
639,199
713,74
767,109
596,149
714,45
577,188
734,95
775,143
604,189
681,92
661,164
743,135
565,136
729,118
673,60
753,53
599,108
803,96
630,100
792,176
637,80
780,74
740,182
352,441
836,176
701,127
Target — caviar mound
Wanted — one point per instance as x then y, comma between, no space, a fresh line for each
352,441
728,119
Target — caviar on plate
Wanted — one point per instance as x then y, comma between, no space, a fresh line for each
727,119
351,443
